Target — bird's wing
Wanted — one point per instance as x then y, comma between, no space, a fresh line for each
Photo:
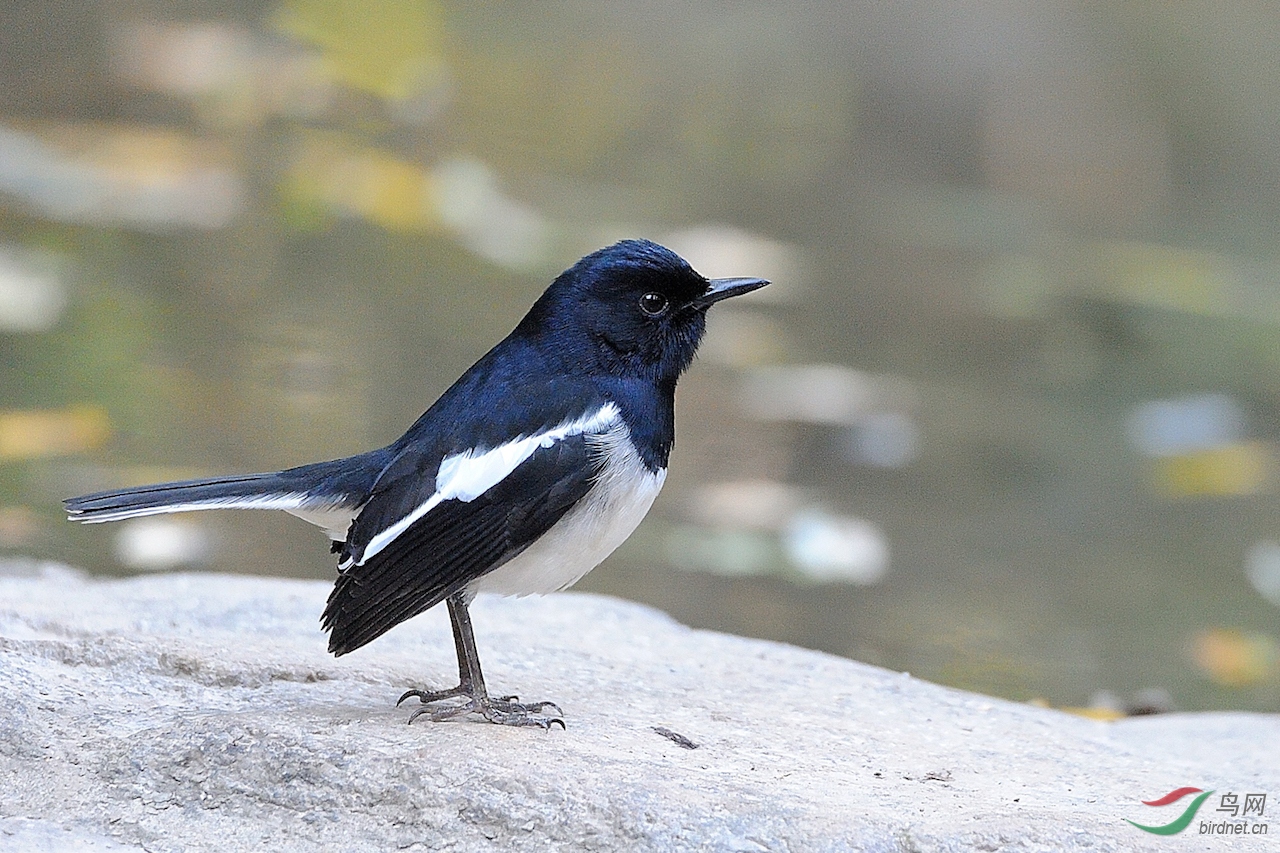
425,535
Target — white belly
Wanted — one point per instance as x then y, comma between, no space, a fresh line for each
600,522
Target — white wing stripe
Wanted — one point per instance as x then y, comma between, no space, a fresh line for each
468,475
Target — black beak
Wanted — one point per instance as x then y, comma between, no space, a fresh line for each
723,288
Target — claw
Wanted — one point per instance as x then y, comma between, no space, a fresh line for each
427,697
506,704
504,710
500,711
539,707
439,714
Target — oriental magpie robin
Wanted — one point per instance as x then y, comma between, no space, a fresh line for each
531,469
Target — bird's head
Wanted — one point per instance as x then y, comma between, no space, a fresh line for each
633,309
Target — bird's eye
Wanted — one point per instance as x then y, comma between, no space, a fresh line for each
653,304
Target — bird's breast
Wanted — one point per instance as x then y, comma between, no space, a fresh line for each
620,496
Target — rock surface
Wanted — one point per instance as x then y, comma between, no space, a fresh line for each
201,712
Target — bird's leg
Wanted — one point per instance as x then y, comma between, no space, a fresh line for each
464,687
505,711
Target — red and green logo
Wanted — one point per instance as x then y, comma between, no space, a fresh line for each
1183,820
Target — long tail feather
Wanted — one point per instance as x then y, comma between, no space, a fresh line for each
326,494
252,491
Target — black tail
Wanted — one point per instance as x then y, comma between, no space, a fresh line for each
326,493
249,491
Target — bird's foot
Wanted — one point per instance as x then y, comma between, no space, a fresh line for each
426,697
504,711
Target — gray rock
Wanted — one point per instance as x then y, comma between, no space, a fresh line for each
201,712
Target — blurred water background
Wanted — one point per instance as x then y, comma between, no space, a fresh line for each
1007,419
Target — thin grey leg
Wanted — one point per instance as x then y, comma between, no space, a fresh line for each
504,711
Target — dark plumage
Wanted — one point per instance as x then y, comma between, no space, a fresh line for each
526,473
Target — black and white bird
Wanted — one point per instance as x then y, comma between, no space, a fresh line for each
530,470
